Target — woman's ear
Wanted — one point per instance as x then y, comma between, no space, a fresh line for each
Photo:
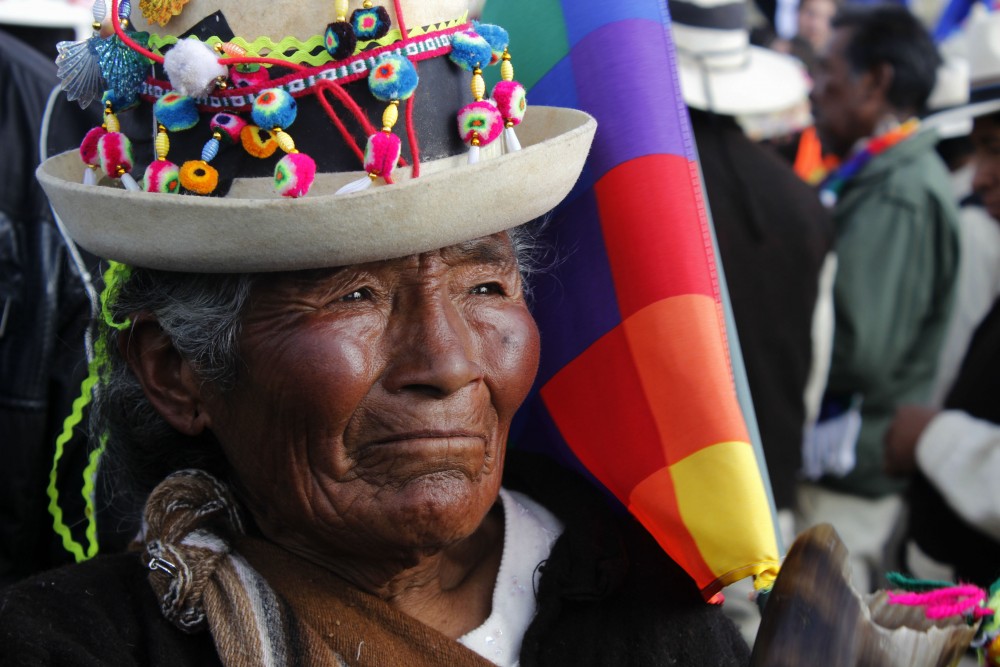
168,380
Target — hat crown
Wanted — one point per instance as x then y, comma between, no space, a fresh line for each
712,32
277,20
984,51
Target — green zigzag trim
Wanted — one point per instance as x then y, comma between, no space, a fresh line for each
89,476
113,277
301,52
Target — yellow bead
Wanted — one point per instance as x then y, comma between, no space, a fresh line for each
284,140
340,9
162,144
367,4
111,123
506,69
390,115
478,86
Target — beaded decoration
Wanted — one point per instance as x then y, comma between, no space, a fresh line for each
200,76
480,122
113,149
393,80
508,95
274,110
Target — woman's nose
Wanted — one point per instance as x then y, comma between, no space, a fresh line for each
432,348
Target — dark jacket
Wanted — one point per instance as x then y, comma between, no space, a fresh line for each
773,236
607,596
43,312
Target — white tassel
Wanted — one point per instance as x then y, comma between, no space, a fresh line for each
193,68
511,138
356,186
89,176
130,183
473,154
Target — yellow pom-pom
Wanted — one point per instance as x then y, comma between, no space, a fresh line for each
162,143
199,177
284,140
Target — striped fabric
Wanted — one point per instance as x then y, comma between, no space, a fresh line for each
636,383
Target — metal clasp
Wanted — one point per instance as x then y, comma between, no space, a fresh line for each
162,565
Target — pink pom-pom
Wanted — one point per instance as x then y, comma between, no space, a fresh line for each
479,120
229,126
163,176
382,153
294,174
245,77
88,149
511,100
115,152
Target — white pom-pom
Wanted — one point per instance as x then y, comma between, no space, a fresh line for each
193,67
355,186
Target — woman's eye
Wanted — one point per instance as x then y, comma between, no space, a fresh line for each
357,295
487,288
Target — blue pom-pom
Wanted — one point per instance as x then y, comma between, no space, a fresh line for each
274,108
393,78
469,50
176,112
497,37
371,23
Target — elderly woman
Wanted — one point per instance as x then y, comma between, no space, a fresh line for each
319,430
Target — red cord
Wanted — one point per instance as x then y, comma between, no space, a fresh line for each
411,131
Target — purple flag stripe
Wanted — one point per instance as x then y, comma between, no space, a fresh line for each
582,18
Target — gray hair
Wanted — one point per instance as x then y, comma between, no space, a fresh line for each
202,314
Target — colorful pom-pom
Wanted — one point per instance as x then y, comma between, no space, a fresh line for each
119,102
511,100
469,50
199,177
163,176
371,23
228,125
246,76
340,40
294,174
115,154
382,153
257,142
496,37
176,112
273,108
393,78
88,149
479,123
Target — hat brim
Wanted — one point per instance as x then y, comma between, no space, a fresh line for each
946,122
253,229
766,82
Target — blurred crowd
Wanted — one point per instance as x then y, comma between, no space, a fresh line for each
851,158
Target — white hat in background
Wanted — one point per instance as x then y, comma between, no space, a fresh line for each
720,71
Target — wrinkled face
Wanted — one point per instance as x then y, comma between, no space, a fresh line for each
986,181
840,98
814,22
375,399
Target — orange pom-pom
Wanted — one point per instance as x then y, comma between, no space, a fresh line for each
199,177
259,143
